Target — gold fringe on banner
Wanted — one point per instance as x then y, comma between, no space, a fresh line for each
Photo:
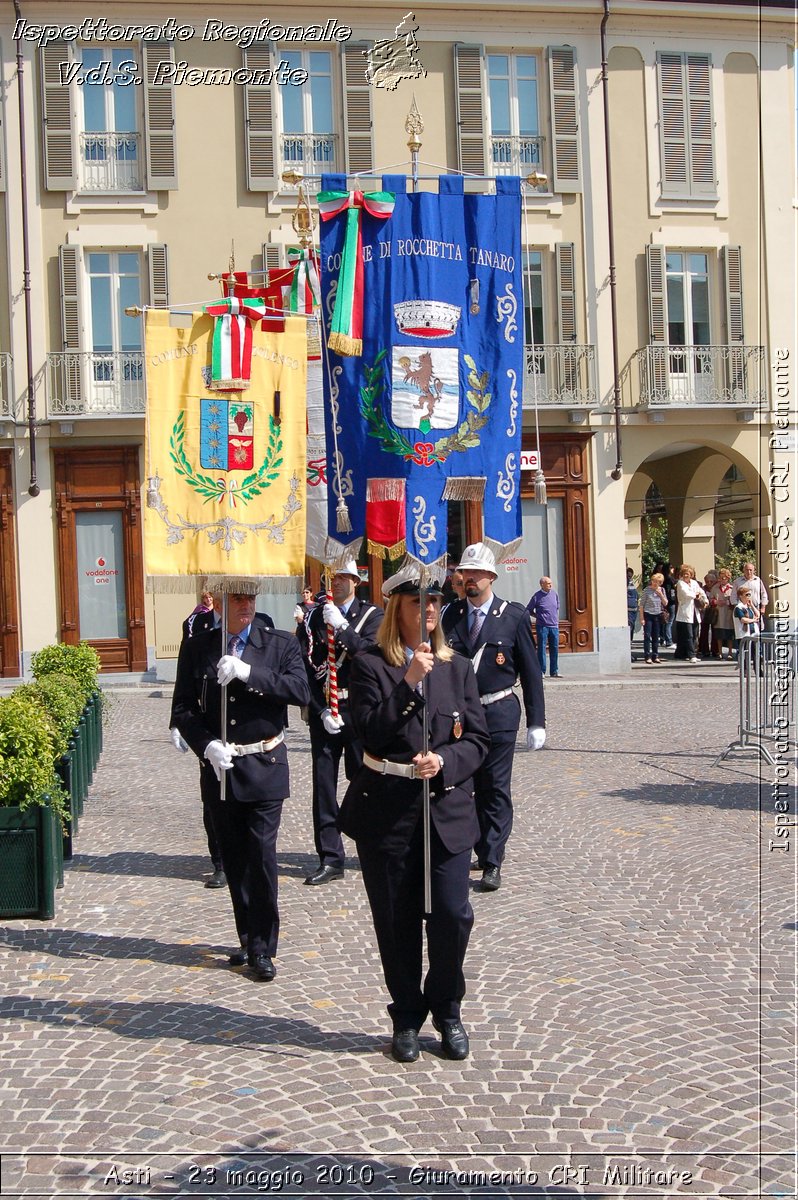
465,488
228,385
379,490
265,584
386,551
502,550
342,343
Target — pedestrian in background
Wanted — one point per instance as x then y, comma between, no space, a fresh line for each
307,603
723,621
632,603
544,607
653,603
688,594
410,670
756,589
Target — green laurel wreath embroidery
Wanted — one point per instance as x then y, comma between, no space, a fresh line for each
467,435
251,485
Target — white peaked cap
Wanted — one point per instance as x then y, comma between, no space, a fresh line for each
478,557
349,567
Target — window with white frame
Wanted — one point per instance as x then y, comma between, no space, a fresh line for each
115,375
308,139
110,130
515,142
687,279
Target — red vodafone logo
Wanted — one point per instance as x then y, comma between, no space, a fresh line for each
100,562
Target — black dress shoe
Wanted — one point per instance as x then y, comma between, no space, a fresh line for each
454,1039
491,879
217,880
404,1045
238,958
325,875
262,967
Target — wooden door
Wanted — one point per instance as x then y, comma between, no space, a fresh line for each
101,569
9,626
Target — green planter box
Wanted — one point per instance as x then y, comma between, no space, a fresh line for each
64,771
29,857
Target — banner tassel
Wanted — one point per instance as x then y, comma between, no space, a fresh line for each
540,487
343,523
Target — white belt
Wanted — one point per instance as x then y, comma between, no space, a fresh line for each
492,697
384,766
260,747
343,693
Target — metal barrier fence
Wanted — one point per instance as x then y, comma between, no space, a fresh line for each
767,664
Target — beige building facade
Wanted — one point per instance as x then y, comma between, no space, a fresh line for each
660,310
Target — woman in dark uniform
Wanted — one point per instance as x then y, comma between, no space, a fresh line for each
389,686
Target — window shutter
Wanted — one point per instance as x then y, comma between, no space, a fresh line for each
259,136
564,119
70,271
672,124
566,291
159,119
158,268
59,147
733,280
657,359
2,144
357,109
470,109
699,108
271,257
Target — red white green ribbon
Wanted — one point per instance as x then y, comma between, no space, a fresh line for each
231,349
304,293
346,330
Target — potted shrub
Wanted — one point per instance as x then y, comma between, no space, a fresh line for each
62,704
81,664
32,810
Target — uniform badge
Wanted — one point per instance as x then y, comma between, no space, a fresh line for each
458,726
500,659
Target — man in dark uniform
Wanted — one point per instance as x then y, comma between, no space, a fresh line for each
355,623
263,671
497,636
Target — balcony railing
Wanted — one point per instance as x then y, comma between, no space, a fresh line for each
90,383
702,376
560,376
516,155
6,388
110,162
308,153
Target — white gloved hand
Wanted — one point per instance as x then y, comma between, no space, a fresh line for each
334,617
299,614
230,667
220,756
177,740
535,739
331,724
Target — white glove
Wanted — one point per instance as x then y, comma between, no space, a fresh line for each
535,739
299,614
331,724
220,756
230,667
177,740
334,617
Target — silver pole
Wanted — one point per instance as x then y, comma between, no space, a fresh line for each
223,780
422,604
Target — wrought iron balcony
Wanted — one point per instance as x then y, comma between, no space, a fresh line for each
94,384
6,388
560,376
702,376
308,153
110,162
517,155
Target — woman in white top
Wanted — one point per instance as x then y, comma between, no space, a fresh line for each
690,597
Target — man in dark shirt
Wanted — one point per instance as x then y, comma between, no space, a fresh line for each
545,608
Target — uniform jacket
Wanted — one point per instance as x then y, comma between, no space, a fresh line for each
205,621
386,714
504,652
312,635
256,710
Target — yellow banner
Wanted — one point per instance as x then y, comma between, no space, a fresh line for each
226,470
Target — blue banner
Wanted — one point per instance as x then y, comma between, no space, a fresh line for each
435,399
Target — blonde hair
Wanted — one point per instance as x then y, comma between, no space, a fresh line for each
724,573
657,578
390,641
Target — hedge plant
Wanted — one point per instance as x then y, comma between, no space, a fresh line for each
81,663
61,703
27,763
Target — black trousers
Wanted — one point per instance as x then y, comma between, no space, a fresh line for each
326,751
247,836
493,799
394,883
210,833
685,639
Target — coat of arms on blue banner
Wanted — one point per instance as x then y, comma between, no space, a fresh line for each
431,410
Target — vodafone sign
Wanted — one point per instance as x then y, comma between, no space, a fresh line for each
102,574
530,460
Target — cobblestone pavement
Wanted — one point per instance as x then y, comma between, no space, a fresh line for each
629,988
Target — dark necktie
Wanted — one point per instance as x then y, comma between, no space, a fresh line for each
234,645
476,626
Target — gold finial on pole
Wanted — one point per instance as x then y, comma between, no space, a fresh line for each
414,127
231,266
303,220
